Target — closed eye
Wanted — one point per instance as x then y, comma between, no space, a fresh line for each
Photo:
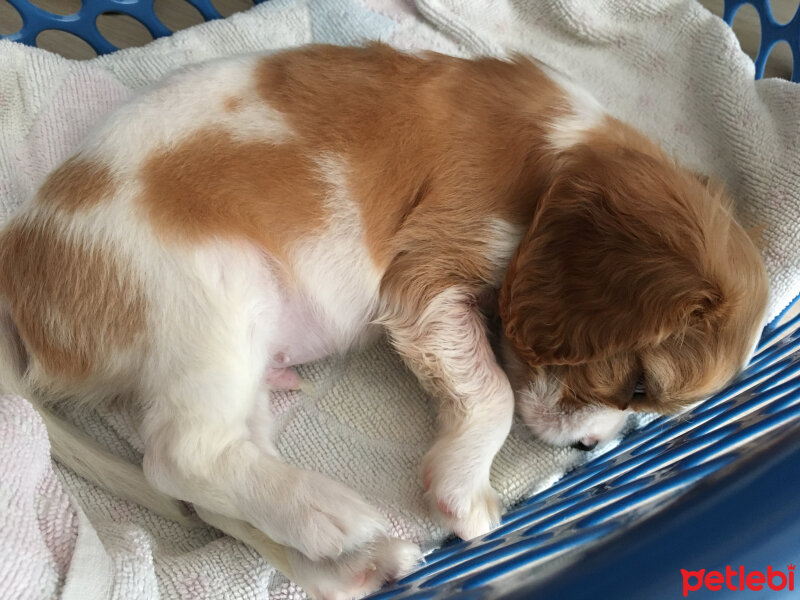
639,390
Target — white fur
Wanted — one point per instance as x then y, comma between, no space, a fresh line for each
538,405
335,269
202,444
190,101
502,239
585,114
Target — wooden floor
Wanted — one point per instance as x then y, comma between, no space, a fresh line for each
124,31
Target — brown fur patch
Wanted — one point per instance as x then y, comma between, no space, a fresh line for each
72,306
434,146
212,185
76,184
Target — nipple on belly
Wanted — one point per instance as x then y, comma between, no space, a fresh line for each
281,359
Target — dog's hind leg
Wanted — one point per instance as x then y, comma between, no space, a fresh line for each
206,420
200,447
350,575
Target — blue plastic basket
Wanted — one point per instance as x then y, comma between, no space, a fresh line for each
84,22
772,32
719,486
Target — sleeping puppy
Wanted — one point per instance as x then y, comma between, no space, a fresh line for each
259,212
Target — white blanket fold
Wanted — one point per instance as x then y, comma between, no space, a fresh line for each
667,66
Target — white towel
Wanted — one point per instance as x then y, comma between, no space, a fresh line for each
668,67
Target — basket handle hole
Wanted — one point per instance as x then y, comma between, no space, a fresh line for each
122,30
10,19
58,7
779,62
783,10
227,7
65,44
177,14
747,26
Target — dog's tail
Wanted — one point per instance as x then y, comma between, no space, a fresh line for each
71,447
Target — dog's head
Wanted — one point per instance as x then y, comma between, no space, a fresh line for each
634,289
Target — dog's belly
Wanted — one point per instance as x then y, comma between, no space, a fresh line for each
330,311
335,286
301,335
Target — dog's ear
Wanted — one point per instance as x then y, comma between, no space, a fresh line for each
611,262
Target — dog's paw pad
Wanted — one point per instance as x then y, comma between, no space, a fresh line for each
471,515
483,515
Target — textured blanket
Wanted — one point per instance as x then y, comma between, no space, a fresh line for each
668,67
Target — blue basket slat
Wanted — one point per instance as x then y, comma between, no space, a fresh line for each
772,33
525,516
457,555
206,9
659,458
778,351
742,514
83,23
631,497
486,575
777,332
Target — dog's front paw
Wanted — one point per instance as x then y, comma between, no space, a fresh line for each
460,498
467,516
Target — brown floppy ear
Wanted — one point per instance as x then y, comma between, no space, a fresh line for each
606,266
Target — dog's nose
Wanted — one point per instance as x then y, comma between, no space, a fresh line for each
585,445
